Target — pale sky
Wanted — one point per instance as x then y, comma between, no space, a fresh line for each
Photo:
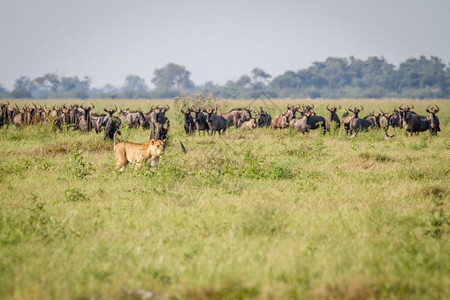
214,40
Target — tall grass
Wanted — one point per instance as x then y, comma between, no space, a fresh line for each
261,214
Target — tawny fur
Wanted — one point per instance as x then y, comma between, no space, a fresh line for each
126,152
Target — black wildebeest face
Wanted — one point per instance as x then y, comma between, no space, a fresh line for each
433,121
334,109
432,110
356,111
209,113
187,115
432,118
111,111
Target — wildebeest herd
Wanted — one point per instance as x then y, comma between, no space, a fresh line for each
302,118
209,120
80,117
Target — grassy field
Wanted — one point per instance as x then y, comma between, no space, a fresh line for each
264,214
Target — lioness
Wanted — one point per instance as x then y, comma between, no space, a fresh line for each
125,152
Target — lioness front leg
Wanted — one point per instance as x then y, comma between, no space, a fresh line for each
154,162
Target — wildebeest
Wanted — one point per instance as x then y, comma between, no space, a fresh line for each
19,117
111,123
357,124
434,120
414,123
200,121
385,122
346,118
250,124
189,124
236,115
396,119
99,121
301,123
281,121
215,122
84,122
374,119
156,117
333,118
134,119
315,121
264,119
3,113
50,120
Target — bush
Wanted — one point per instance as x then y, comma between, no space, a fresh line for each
77,167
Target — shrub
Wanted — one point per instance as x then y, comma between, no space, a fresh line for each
77,167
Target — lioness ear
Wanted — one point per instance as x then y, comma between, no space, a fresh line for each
152,142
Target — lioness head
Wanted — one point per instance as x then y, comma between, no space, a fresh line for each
158,146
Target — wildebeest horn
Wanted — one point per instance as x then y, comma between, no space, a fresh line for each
167,107
93,106
427,110
327,107
362,108
412,106
288,107
438,109
382,111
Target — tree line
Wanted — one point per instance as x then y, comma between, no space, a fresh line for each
423,77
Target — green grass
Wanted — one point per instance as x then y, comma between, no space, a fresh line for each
261,214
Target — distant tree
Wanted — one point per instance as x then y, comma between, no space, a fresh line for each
23,88
134,87
422,72
49,81
260,78
171,79
73,87
109,89
135,83
288,80
244,81
373,72
423,77
4,93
